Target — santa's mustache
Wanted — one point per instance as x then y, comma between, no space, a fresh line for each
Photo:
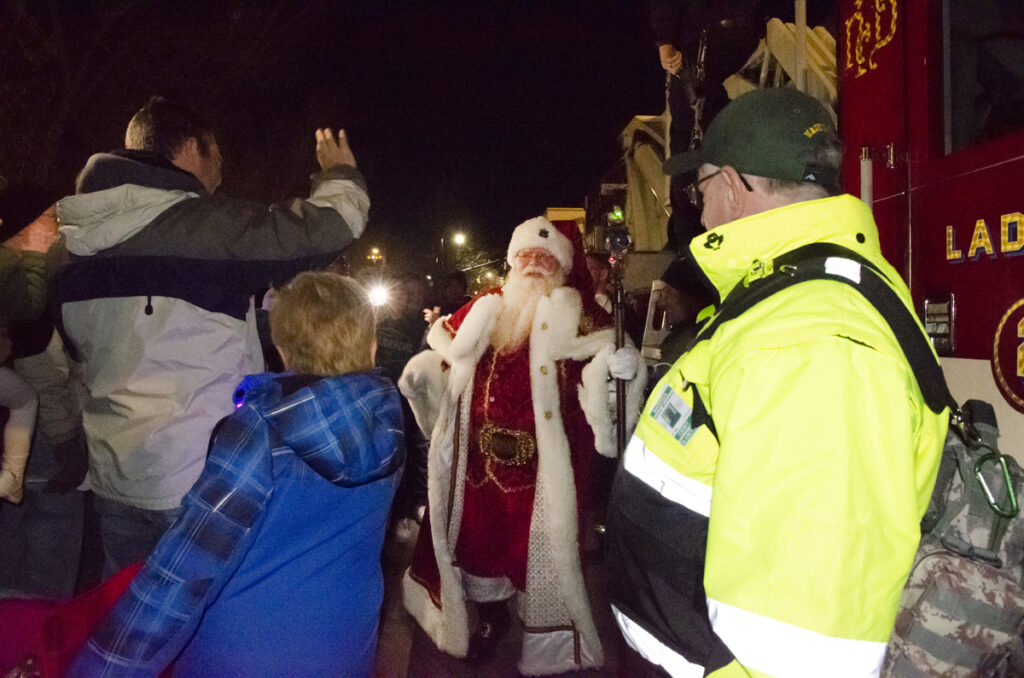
531,269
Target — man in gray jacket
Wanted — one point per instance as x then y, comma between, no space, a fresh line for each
154,281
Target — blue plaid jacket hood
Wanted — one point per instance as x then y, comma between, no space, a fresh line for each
348,428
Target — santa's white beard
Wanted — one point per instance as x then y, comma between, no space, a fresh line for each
520,296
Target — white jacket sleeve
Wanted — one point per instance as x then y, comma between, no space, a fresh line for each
343,190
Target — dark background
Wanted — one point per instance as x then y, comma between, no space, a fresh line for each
470,116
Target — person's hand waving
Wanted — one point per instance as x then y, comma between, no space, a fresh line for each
331,152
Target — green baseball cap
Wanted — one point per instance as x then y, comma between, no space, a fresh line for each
770,132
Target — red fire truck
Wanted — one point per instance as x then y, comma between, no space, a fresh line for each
931,109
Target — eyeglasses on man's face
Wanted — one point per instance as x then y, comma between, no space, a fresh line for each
695,192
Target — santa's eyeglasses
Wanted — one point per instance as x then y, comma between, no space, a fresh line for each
535,254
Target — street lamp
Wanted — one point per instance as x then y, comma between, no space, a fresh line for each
446,257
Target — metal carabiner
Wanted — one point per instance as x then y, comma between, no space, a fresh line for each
1011,493
702,55
788,269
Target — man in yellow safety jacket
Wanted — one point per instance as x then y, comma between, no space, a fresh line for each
767,512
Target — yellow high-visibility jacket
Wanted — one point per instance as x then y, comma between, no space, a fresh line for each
797,437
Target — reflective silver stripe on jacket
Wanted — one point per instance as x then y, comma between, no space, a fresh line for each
782,649
653,650
665,480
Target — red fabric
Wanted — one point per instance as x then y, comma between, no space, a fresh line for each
453,323
494,535
54,631
579,277
21,622
423,566
484,548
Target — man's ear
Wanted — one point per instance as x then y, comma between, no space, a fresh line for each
187,156
735,192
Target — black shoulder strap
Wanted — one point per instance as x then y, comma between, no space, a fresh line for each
825,261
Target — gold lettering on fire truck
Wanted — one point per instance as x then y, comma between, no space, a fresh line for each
1008,355
980,240
1020,348
1011,235
952,253
861,45
1011,239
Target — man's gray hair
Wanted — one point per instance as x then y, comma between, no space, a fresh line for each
829,157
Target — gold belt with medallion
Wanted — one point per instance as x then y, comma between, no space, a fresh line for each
506,445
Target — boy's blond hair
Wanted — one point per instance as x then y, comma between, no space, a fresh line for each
324,325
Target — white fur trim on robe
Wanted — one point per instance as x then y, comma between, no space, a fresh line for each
553,337
423,383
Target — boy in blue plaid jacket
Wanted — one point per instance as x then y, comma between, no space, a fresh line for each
273,567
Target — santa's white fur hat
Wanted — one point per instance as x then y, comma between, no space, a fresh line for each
541,233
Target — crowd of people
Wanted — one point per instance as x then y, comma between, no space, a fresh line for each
749,527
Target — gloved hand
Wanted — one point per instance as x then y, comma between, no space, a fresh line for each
623,363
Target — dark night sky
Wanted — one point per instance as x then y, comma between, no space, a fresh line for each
495,114
462,115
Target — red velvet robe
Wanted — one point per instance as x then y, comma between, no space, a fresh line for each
498,502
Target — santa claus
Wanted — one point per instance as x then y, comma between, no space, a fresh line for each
515,396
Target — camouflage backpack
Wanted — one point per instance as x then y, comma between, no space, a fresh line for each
962,611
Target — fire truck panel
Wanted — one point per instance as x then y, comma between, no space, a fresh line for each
930,93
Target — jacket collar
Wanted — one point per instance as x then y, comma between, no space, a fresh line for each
742,248
142,168
347,428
